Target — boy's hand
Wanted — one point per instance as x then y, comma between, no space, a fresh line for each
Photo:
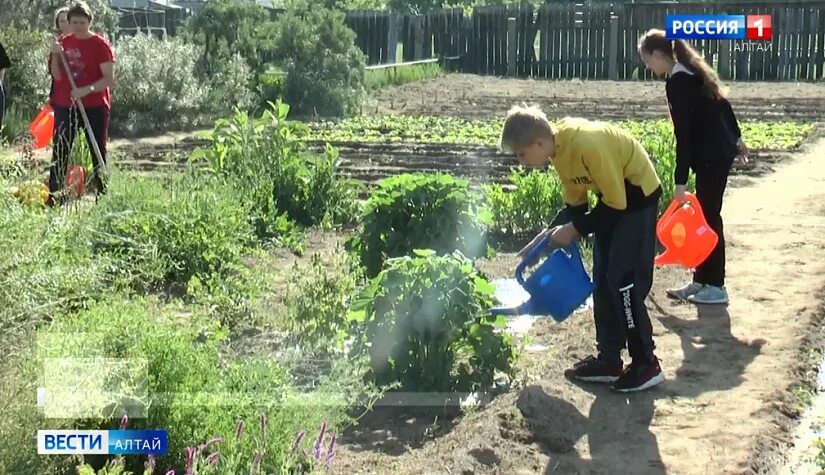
563,236
742,157
529,247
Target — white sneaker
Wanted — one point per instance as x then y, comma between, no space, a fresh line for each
683,293
710,295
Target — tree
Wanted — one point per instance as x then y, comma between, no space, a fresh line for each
39,14
226,27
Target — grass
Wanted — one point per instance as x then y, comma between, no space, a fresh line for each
396,76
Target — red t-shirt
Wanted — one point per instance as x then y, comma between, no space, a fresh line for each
84,58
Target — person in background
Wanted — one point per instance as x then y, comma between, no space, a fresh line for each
61,26
91,60
5,63
708,140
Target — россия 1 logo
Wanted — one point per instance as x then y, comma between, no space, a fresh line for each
718,27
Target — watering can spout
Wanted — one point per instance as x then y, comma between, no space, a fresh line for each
523,309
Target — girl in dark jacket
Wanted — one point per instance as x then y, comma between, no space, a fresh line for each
708,140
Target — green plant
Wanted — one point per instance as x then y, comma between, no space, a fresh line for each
159,88
38,14
325,70
170,231
27,81
420,211
377,78
265,160
428,326
530,207
318,300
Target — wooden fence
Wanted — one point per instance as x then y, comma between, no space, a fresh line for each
593,40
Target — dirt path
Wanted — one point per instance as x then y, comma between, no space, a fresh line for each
729,370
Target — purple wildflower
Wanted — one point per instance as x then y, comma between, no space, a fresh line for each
331,451
212,459
263,427
191,453
298,439
320,440
150,464
239,430
256,464
124,421
213,441
170,472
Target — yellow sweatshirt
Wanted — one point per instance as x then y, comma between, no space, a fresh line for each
606,160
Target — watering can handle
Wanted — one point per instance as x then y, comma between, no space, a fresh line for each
572,250
530,257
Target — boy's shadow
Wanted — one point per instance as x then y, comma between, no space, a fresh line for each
617,429
714,359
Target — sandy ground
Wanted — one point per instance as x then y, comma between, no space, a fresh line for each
729,369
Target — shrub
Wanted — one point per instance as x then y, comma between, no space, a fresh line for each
530,207
158,89
173,230
27,81
268,163
420,211
35,14
319,298
325,70
224,28
428,326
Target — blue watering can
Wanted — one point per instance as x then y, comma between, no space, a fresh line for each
557,287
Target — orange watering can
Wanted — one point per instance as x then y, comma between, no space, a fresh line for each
687,237
42,127
76,181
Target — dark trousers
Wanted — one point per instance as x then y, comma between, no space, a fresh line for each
66,124
2,105
623,275
711,181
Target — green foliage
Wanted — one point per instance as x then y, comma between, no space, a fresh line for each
27,81
530,207
170,231
428,326
265,160
190,391
325,70
319,298
39,15
420,211
158,88
377,78
224,28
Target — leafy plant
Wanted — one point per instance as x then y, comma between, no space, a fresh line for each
427,326
318,300
420,211
265,160
169,231
530,207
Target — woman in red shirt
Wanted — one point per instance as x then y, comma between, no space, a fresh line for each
92,64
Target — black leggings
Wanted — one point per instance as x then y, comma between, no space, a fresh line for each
66,124
711,181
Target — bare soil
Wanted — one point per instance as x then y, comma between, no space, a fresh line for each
726,404
471,96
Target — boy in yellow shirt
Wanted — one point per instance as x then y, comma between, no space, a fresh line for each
603,159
